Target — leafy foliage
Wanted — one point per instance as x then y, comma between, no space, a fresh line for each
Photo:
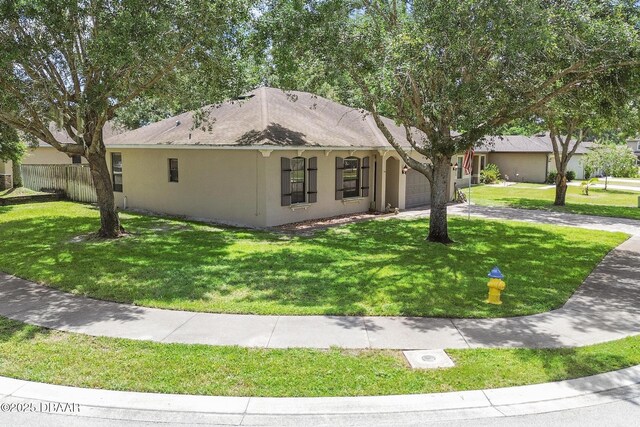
612,160
76,64
11,147
586,185
490,174
454,70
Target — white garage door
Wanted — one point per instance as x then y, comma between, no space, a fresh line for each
575,164
418,192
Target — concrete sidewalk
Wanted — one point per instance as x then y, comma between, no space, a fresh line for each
605,307
611,186
372,410
624,225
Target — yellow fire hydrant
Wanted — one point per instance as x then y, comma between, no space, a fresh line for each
496,286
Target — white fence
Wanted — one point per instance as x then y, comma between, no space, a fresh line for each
74,180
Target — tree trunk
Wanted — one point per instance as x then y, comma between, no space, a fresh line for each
17,174
109,220
438,227
606,182
561,189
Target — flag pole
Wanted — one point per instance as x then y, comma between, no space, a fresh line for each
469,204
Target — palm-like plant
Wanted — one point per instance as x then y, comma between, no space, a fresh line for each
587,184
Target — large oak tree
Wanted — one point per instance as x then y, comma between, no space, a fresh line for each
75,63
450,71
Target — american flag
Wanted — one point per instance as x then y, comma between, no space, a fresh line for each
467,163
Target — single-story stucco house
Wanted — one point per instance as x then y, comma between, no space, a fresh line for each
275,157
268,159
528,158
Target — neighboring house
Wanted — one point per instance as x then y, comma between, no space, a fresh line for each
634,144
526,158
45,154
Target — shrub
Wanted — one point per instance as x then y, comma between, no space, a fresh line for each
551,178
490,174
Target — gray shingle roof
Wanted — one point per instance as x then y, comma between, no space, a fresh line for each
525,144
267,117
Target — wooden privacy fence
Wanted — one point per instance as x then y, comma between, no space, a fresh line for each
74,180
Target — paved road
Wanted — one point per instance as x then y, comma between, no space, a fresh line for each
621,413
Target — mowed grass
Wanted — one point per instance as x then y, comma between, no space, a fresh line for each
37,354
368,268
610,203
18,192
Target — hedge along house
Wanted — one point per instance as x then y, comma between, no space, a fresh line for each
268,159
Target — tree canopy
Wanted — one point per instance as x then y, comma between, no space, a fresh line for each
12,148
455,70
77,63
612,160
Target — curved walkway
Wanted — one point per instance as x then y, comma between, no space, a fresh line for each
605,307
417,409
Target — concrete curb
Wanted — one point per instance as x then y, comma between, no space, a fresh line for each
522,400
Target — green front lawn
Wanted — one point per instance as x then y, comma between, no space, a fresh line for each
38,354
612,203
368,268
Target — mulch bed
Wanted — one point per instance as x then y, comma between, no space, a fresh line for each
323,223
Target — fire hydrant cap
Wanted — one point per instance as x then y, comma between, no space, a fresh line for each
495,273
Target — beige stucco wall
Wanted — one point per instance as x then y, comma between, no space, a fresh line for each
326,206
243,186
40,156
220,185
524,167
47,156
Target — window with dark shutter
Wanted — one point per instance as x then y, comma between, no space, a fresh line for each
76,159
116,171
285,181
351,177
297,180
365,177
339,175
313,180
173,170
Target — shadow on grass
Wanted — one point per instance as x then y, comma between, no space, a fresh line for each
14,331
576,208
376,267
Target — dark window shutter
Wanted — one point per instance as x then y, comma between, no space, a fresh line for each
365,177
313,180
339,183
285,181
